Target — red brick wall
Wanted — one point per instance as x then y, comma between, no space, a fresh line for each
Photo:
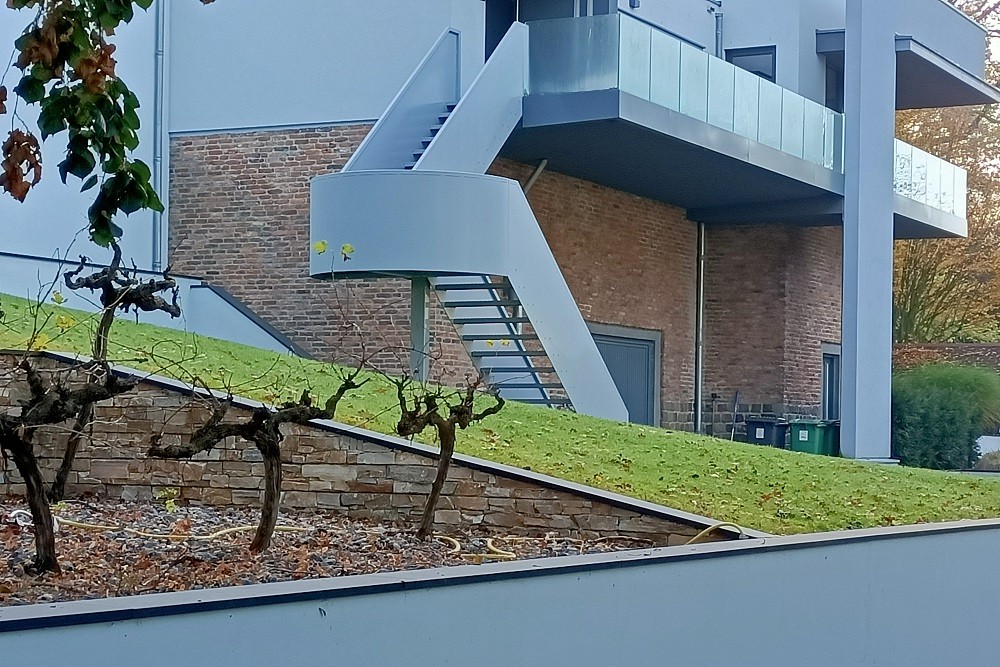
239,216
773,297
628,261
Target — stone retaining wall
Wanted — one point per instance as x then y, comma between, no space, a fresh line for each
334,467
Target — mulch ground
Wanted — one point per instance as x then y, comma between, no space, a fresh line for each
116,561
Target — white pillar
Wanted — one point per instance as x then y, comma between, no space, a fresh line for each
870,108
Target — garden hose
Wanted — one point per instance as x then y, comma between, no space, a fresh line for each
58,520
711,529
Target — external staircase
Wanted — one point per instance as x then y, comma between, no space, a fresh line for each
496,278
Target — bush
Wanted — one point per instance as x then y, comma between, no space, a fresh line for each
938,413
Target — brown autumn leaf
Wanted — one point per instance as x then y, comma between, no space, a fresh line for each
3,100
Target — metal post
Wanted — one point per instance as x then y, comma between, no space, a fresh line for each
419,329
699,332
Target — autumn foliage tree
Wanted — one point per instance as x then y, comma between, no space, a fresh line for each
949,290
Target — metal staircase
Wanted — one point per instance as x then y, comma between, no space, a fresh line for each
517,320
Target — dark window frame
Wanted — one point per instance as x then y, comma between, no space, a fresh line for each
755,51
831,378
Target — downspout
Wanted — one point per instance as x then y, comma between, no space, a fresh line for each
699,322
159,91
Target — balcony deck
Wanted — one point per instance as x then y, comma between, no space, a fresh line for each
622,103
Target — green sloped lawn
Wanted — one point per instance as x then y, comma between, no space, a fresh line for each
771,490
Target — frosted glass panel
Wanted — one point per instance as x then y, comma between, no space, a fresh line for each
769,125
961,193
792,120
694,82
635,58
930,180
573,54
665,70
721,82
746,102
813,133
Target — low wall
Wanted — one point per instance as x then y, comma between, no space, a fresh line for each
896,596
336,467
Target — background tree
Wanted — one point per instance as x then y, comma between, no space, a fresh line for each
949,290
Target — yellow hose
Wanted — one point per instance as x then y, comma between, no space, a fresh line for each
711,529
174,536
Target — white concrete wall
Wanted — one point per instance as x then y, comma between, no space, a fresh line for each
890,597
238,66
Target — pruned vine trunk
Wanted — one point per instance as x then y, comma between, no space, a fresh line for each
80,426
446,433
41,517
272,494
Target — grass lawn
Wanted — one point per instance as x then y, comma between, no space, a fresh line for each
771,490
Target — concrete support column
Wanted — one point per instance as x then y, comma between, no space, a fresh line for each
419,328
870,108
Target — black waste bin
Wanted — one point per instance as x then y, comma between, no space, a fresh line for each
766,430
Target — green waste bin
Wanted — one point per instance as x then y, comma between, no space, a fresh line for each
813,436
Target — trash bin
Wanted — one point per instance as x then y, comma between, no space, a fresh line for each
813,436
766,430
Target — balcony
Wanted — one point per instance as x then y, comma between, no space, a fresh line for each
618,101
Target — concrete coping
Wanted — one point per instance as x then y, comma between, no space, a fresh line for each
110,610
617,500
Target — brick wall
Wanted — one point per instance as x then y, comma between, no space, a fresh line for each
240,217
773,298
322,468
628,261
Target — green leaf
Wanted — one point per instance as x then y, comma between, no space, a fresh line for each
30,89
89,183
145,4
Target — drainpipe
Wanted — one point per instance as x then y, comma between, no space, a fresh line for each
159,91
534,176
699,322
699,332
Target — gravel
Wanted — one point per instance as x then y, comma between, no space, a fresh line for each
111,563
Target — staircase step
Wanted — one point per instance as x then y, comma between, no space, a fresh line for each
444,117
426,141
436,128
530,385
445,287
499,337
409,165
491,320
451,107
510,370
544,401
488,354
418,153
500,303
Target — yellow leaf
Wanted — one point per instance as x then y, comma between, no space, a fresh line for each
505,343
41,342
347,250
58,298
65,322
490,343
320,247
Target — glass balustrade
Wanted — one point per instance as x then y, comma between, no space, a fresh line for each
930,180
619,51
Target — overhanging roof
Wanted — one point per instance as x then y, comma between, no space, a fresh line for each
924,78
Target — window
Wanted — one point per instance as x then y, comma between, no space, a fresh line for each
831,382
592,7
835,88
761,60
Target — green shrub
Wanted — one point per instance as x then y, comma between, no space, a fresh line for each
938,413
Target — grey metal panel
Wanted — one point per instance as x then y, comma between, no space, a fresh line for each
439,223
476,130
853,598
632,363
434,84
920,221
